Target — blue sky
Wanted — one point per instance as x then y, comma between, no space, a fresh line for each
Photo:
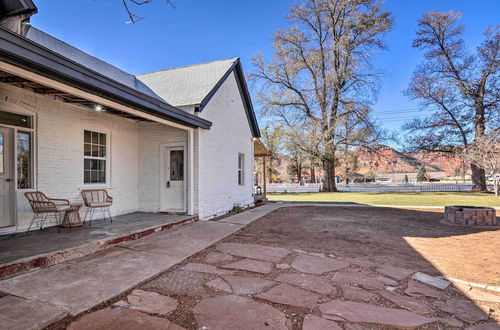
200,31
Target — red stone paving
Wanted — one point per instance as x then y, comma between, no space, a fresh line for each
178,282
312,322
148,302
216,257
463,309
250,265
409,303
313,283
248,285
396,273
260,295
204,268
359,278
353,293
367,313
418,289
121,319
234,312
317,265
219,284
289,295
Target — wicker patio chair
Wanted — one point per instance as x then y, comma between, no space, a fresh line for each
44,206
96,199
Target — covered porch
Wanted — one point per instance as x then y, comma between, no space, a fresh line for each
262,153
65,128
21,253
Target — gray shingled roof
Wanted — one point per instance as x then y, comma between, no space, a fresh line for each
187,85
89,61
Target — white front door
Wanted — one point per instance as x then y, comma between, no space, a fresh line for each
6,179
173,188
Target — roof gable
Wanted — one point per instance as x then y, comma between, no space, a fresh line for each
187,85
197,84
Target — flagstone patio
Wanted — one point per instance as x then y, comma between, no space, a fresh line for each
315,292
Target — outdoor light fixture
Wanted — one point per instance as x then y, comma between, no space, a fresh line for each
259,190
99,108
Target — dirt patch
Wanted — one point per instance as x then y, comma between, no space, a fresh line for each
412,239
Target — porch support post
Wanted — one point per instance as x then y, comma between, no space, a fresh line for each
190,189
264,174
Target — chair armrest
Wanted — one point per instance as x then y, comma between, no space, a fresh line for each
64,201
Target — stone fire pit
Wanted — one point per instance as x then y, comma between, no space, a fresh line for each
470,215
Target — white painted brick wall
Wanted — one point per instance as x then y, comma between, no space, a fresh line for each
217,153
59,138
151,136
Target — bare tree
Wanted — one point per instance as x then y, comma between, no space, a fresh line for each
133,18
321,81
462,88
273,137
484,152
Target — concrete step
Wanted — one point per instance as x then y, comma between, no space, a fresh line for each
84,248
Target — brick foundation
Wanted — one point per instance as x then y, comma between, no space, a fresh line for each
470,216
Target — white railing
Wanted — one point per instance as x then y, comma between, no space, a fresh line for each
372,187
406,187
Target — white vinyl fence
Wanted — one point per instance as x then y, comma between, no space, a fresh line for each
371,187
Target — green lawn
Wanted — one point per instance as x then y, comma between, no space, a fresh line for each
401,199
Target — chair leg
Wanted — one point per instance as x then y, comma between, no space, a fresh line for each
85,217
103,215
42,221
109,214
35,217
57,215
92,211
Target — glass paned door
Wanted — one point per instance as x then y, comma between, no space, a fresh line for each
173,188
6,180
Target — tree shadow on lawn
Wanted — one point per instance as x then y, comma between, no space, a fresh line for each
413,239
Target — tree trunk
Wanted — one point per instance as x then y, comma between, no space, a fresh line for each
478,174
313,175
478,178
299,172
329,184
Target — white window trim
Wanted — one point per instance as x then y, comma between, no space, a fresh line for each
106,184
7,108
242,169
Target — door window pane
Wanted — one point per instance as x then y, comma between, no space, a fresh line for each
1,153
176,165
24,160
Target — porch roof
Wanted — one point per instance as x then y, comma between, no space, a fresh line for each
34,57
260,149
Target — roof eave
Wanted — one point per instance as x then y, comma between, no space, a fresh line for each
22,52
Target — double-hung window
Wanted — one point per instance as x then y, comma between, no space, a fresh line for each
241,169
94,157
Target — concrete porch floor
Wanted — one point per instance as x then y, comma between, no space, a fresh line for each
20,252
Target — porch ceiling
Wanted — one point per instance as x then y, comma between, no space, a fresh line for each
260,150
21,82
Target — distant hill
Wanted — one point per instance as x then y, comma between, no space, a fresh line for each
383,159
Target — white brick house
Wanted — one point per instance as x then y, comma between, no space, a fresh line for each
179,140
